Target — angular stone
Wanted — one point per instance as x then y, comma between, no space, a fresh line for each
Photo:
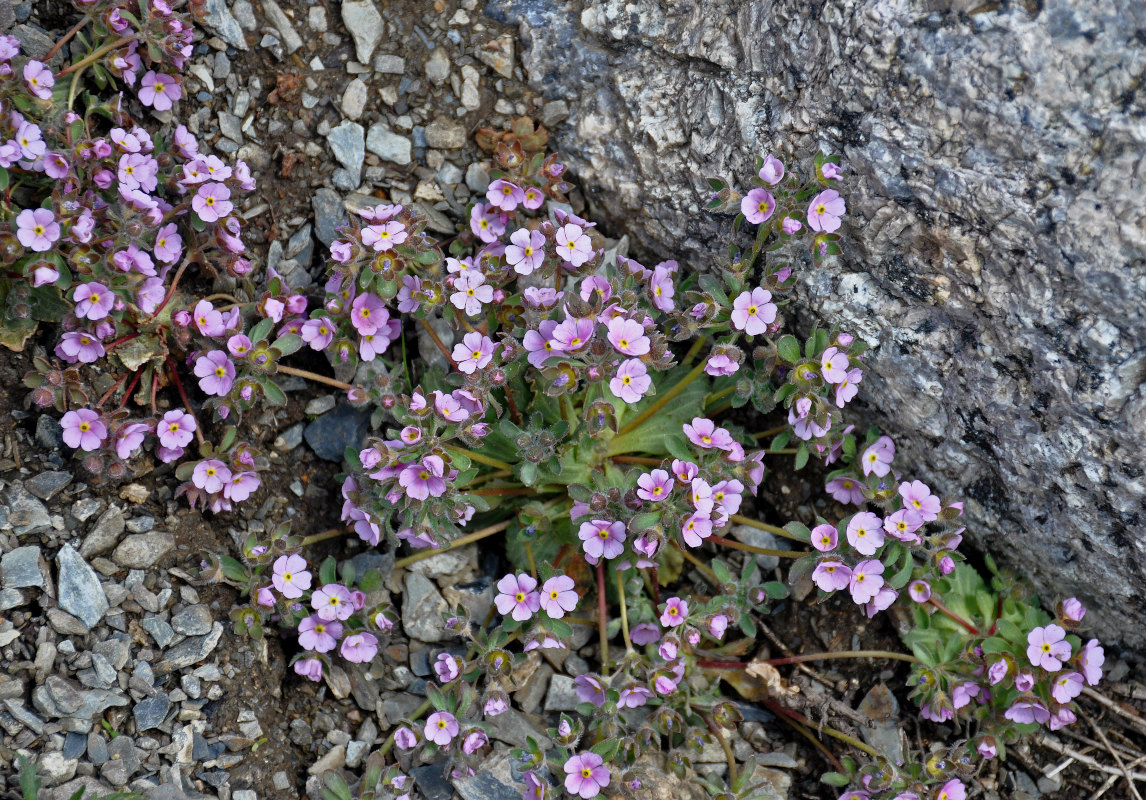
22,568
328,214
562,696
498,55
218,18
123,761
354,98
365,25
159,629
444,134
348,143
387,145
389,65
192,621
80,592
190,651
333,432
48,484
143,550
150,713
493,780
26,514
422,608
55,768
438,66
290,38
104,534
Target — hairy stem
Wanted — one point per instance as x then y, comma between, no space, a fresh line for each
95,55
532,563
692,351
183,396
624,612
437,341
455,544
719,734
770,432
130,387
322,537
712,398
314,376
778,662
764,551
66,37
478,457
952,615
664,399
709,575
648,462
502,492
602,617
764,526
174,283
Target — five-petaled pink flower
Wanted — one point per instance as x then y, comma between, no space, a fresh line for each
918,497
825,537
753,312
384,235
332,602
504,195
441,728
586,775
866,581
758,206
320,635
241,486
1067,687
212,202
825,210
1090,660
632,381
159,91
37,229
425,479
176,429
447,667
368,313
359,648
831,575
94,301
290,576
517,597
865,533
210,475
573,244
877,458
558,596
526,251
703,432
79,346
602,537
83,429
1046,647
772,170
39,79
628,336
470,292
675,613
474,352
216,373
834,365
654,486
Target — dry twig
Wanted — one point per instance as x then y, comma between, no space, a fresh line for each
1117,758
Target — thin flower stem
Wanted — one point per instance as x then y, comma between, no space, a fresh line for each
478,457
532,563
664,399
130,387
718,410
602,617
221,296
727,390
314,376
782,712
111,391
778,662
712,726
183,397
952,615
455,544
649,462
322,537
692,351
490,476
437,340
764,551
174,283
764,526
770,432
66,37
700,565
121,340
795,716
418,712
503,492
624,612
74,89
95,55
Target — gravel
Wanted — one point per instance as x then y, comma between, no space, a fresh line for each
143,550
22,568
387,145
48,484
365,25
104,534
290,38
79,590
347,142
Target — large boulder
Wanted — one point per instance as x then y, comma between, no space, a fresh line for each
994,157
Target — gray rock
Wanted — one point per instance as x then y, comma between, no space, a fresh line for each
192,621
993,241
882,709
422,608
389,65
104,534
290,38
123,762
97,748
758,538
438,66
75,745
190,651
354,99
218,18
48,484
333,758
21,568
25,717
80,592
48,432
159,629
328,215
143,550
150,713
333,432
477,178
320,405
55,768
90,786
562,696
554,112
245,15
26,514
11,598
65,623
347,142
83,509
445,134
365,25
387,145
493,780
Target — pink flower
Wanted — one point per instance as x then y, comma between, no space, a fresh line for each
332,602
424,480
825,538
1061,718
168,244
602,538
265,597
654,486
216,373
487,223
590,689
758,206
1090,660
1067,687
882,600
176,429
504,195
631,382
441,728
918,497
241,486
471,292
753,312
494,706
877,458
903,524
94,301
661,288
518,597
37,229
159,91
964,693
831,575
83,429
318,634
1046,648
368,313
830,170
628,336
474,741
446,667
772,171
129,438
703,432
290,576
1072,609
526,251
954,788
318,333
534,199
720,365
309,668
645,633
586,775
919,591
867,580
210,475
474,352
675,613
572,334
834,365
405,739
558,596
1026,712
30,139
987,748
845,490
208,320
79,346
39,79
695,529
359,648
684,471
384,236
825,210
573,245
865,533
212,202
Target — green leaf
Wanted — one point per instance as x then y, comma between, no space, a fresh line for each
328,572
802,456
788,348
607,748
371,581
642,522
995,645
288,343
335,787
29,783
775,590
900,579
233,570
262,330
799,529
837,779
721,571
747,626
3,179
275,395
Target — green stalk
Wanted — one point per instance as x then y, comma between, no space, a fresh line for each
764,551
663,400
764,526
624,612
478,457
455,544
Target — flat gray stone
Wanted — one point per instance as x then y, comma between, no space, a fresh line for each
562,695
422,608
218,18
192,621
328,214
48,484
143,550
354,98
387,145
150,712
438,66
190,651
26,514
445,134
25,717
159,629
389,65
104,534
11,598
365,25
22,568
348,143
277,17
79,591
493,780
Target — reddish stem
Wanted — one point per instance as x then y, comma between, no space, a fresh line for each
121,340
602,617
64,40
109,392
174,284
502,492
951,614
802,722
183,397
131,387
656,588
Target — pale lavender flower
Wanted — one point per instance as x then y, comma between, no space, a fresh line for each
758,206
216,373
309,668
573,244
589,689
825,538
424,480
332,602
129,438
517,597
825,210
586,775
1067,687
526,251
628,337
79,346
631,382
1046,647
845,490
241,486
318,634
83,429
446,667
654,486
210,475
212,202
176,429
504,195
558,596
918,497
37,229
675,613
474,352
471,291
753,312
441,728
318,333
602,538
358,648
866,581
159,91
865,533
39,79
772,171
405,739
832,575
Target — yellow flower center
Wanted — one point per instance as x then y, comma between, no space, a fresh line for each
519,597
85,427
603,533
821,209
